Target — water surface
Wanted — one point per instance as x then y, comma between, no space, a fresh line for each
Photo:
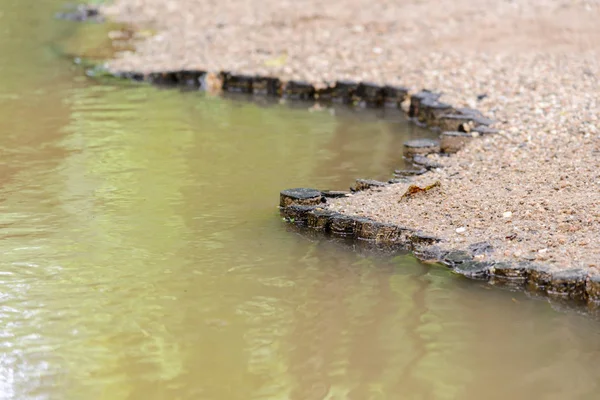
143,256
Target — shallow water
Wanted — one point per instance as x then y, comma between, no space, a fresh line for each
144,257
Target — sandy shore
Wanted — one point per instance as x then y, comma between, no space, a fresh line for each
532,191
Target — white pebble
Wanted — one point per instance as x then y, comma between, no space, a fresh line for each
507,214
462,229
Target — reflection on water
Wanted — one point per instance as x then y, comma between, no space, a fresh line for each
144,258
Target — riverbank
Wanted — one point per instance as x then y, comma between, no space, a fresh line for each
530,192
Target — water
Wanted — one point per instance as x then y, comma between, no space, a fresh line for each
143,256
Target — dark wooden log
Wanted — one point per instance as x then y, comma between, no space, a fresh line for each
167,78
266,85
393,96
300,196
455,122
343,91
320,219
430,111
369,95
297,90
296,213
451,142
364,184
417,98
236,83
324,94
425,162
421,147
190,79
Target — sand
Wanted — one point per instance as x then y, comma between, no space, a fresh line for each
532,191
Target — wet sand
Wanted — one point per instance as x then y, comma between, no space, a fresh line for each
531,191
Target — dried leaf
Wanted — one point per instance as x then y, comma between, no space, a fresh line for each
414,190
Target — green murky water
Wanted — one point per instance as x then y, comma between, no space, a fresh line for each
143,256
